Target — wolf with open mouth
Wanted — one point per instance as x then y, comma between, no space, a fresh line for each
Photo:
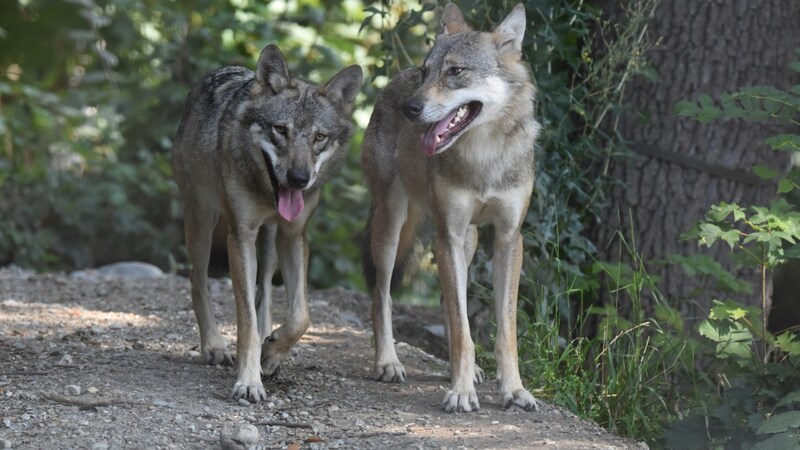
455,139
256,147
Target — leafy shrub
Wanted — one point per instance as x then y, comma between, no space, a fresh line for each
752,401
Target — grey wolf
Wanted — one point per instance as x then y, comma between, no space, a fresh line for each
255,148
454,138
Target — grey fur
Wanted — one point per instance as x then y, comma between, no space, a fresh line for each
454,138
256,147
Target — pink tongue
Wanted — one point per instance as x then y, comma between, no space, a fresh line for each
290,203
428,138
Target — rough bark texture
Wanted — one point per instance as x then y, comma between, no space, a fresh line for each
707,47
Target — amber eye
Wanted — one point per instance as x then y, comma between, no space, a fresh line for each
280,129
453,71
319,137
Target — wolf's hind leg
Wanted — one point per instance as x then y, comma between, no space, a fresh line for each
393,225
199,226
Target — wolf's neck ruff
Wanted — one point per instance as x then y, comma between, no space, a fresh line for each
439,134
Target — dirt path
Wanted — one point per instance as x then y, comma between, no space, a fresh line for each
113,363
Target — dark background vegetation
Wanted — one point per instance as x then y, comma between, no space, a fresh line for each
622,318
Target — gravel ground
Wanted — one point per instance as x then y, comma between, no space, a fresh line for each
90,363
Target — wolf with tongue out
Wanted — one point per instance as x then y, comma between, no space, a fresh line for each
255,147
455,139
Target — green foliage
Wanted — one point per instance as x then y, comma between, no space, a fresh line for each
755,402
628,372
91,93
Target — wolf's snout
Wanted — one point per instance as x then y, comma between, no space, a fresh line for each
297,178
412,109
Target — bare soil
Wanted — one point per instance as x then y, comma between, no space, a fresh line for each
114,363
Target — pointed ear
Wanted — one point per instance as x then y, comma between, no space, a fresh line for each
452,20
271,71
344,86
509,33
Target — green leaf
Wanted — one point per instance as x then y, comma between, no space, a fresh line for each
779,441
686,108
705,100
780,423
765,172
785,185
784,142
790,398
708,114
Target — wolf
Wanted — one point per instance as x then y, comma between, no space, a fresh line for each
455,139
254,147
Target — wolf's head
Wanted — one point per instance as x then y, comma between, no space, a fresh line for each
467,77
302,130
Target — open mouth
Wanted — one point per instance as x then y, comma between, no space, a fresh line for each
290,202
441,134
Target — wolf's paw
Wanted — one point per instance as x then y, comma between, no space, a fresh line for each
217,355
521,398
479,375
271,358
252,392
393,372
461,402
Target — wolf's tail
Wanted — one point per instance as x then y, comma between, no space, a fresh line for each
370,271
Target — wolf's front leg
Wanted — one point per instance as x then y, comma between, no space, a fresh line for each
242,260
507,263
292,244
453,276
267,263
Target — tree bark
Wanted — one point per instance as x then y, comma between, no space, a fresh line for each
679,166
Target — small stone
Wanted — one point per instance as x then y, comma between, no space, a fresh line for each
92,390
246,434
495,422
102,445
116,326
243,402
65,360
72,389
173,337
97,330
138,345
193,354
178,418
5,443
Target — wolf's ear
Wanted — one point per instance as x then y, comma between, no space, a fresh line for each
509,33
272,72
344,86
452,20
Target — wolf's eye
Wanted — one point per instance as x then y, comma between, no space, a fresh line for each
453,71
280,129
319,137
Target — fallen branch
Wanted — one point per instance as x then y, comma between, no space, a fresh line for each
95,403
275,423
380,433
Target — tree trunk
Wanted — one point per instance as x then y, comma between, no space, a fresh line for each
679,166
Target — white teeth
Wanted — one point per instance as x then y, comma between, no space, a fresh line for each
438,139
460,114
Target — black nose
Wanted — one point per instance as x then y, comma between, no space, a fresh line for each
297,178
412,109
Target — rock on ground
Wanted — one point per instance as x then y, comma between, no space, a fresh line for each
128,350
